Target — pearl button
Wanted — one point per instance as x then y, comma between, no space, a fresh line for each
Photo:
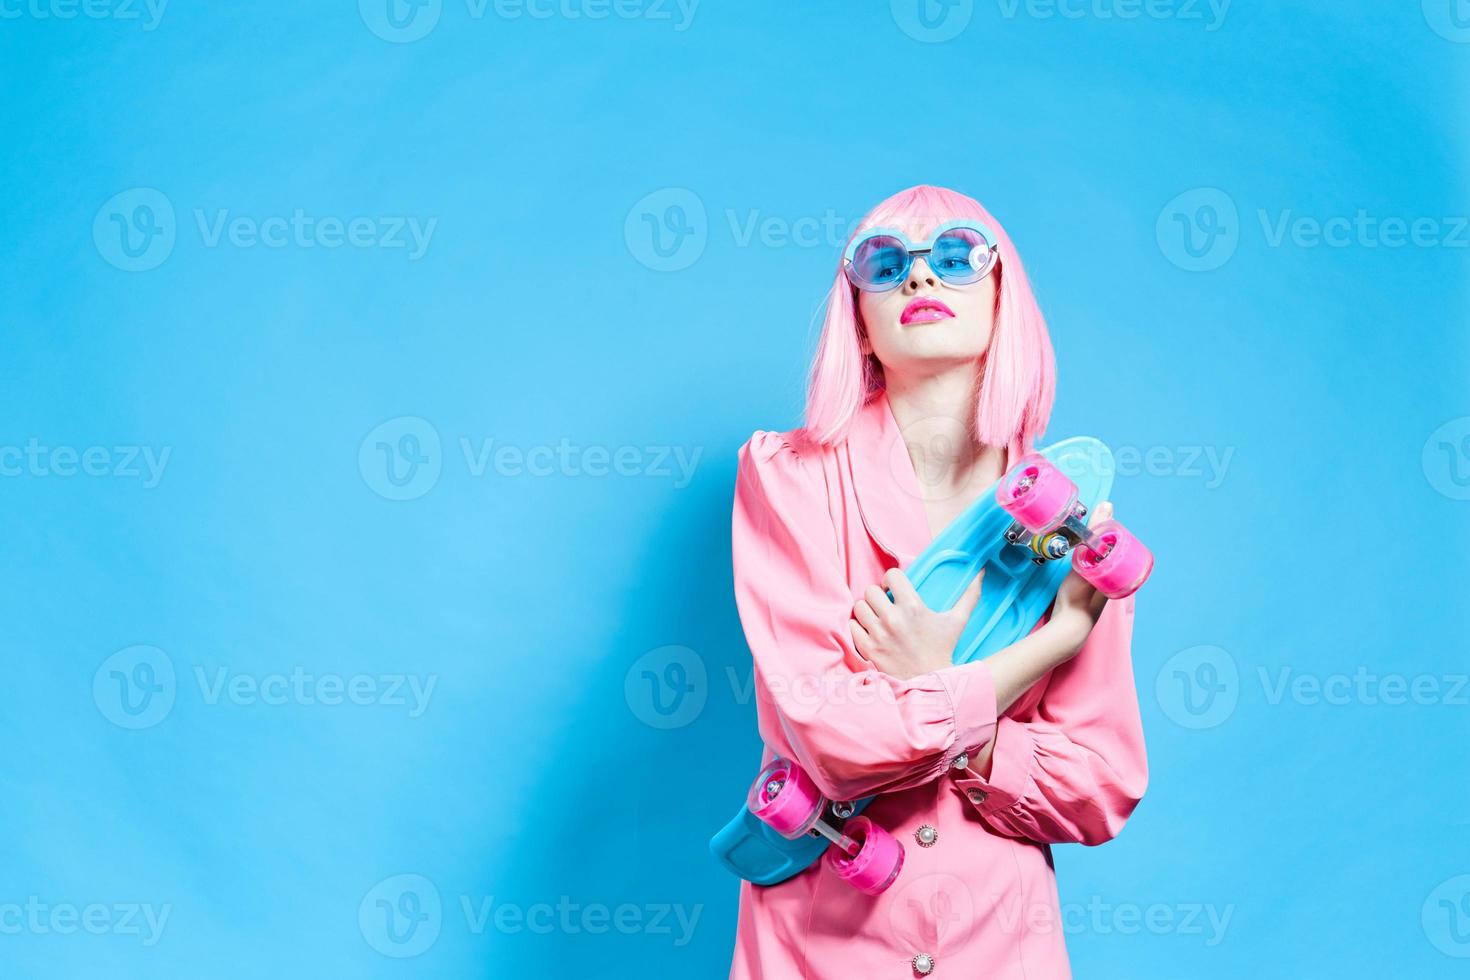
926,835
962,761
976,796
923,964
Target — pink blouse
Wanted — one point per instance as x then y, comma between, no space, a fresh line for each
813,527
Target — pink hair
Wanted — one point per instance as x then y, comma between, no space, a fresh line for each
1018,372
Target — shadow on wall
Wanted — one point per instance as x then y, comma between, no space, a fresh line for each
656,755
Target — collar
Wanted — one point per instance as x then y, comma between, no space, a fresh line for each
887,488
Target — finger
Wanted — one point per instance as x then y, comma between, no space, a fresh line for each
1102,512
965,605
878,599
903,590
861,639
864,615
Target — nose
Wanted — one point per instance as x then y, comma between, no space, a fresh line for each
920,275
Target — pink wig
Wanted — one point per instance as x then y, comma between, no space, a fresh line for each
1017,373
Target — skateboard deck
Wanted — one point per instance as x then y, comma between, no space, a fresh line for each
1016,594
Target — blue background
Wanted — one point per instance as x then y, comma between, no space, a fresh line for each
539,600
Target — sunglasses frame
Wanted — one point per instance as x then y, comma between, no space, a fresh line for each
969,224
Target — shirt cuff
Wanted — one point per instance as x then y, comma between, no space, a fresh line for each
971,692
1010,769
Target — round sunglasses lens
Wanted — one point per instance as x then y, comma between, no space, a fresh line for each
880,261
961,255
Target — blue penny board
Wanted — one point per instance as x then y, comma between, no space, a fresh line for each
1016,594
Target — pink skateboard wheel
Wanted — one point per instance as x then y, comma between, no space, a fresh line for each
1117,565
785,797
878,861
1036,494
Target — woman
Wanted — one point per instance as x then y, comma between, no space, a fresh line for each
933,371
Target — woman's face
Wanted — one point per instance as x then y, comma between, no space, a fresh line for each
927,324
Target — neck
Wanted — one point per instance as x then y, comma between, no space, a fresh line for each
936,414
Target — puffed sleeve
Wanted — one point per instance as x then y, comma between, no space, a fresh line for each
1070,766
854,729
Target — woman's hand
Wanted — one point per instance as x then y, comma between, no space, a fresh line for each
903,637
1078,604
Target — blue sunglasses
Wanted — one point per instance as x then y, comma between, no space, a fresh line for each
959,252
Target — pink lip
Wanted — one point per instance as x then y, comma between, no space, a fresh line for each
925,309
